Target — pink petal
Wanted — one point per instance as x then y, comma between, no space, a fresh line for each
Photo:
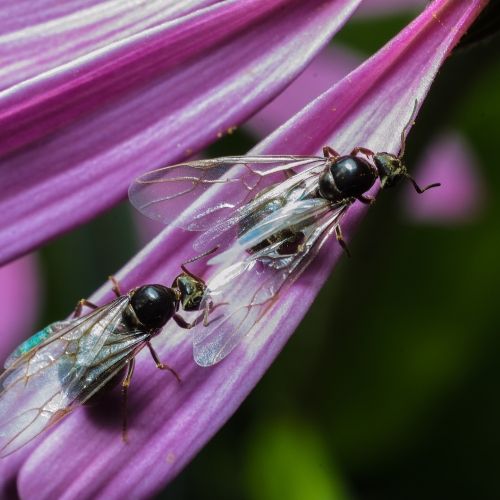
19,300
170,422
74,136
34,41
329,66
19,303
448,160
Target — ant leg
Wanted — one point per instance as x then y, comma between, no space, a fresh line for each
329,152
116,286
206,312
367,200
125,386
160,365
182,322
79,306
200,256
340,239
84,302
203,317
365,151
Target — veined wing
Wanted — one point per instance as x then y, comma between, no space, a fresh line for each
165,194
249,283
40,387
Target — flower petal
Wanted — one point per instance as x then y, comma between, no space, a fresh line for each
79,133
19,292
449,160
34,41
171,422
329,66
19,301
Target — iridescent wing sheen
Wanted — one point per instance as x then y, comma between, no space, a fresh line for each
250,281
263,204
40,387
177,194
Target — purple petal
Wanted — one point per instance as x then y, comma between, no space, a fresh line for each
450,161
76,135
34,41
329,66
19,301
19,292
171,422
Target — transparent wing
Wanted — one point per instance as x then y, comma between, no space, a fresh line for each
164,194
250,282
40,387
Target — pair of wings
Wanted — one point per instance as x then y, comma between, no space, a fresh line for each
257,198
47,382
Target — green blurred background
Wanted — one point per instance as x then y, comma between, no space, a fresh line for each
400,399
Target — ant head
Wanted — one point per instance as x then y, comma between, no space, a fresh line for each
391,169
191,291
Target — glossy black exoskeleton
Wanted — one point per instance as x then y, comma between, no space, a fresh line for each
149,309
345,178
71,362
269,216
146,312
151,306
350,177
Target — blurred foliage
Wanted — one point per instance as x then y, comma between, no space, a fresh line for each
296,464
389,387
367,35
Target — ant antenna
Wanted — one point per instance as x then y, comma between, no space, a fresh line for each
198,257
406,129
201,255
418,189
